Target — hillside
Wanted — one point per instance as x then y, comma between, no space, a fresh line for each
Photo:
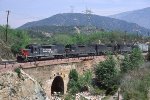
82,20
16,39
140,17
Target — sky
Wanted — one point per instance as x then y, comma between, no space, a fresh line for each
23,11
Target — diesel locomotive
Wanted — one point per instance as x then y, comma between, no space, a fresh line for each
38,52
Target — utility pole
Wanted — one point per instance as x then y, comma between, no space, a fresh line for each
7,23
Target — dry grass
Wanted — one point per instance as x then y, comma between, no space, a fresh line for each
136,84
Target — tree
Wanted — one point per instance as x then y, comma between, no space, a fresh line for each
73,75
126,64
73,85
136,58
62,39
106,75
85,80
21,39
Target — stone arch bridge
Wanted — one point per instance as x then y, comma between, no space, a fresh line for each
53,75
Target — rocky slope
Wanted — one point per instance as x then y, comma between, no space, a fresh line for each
24,87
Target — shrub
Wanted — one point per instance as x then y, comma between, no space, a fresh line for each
136,58
85,80
73,75
69,97
82,83
73,85
132,61
126,64
107,76
17,70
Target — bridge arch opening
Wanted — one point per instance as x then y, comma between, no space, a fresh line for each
57,85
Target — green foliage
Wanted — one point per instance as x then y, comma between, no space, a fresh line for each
62,39
107,76
23,40
73,87
73,75
82,83
69,97
97,91
126,64
106,71
73,84
16,38
85,80
17,70
132,61
136,58
82,38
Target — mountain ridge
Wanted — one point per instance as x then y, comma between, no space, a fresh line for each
79,19
140,17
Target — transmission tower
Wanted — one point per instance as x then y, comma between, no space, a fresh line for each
88,13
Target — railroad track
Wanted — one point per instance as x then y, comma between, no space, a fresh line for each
11,65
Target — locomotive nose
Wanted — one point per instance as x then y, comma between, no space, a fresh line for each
25,52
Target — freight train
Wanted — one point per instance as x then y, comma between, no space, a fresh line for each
34,52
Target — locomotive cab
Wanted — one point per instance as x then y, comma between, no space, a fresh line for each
29,53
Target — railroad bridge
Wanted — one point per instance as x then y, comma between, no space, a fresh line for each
53,75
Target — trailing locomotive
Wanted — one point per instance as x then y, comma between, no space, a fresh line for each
38,52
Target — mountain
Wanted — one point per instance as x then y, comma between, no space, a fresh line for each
140,17
82,20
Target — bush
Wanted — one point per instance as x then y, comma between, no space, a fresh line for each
82,83
132,61
126,64
21,40
136,58
73,75
85,80
17,70
107,76
69,97
73,85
